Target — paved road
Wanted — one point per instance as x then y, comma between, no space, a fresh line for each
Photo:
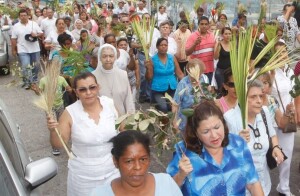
36,138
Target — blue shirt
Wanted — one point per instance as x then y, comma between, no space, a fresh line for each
185,98
163,74
210,178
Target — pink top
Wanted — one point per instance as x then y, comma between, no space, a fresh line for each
204,50
224,105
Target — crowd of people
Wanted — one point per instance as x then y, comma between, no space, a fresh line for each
217,156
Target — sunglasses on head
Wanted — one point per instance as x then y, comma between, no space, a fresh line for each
85,89
230,84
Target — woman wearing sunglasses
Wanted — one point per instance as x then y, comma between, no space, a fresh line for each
90,124
229,98
256,136
210,160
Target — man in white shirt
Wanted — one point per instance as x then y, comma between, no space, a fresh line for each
120,9
165,31
48,24
24,43
140,10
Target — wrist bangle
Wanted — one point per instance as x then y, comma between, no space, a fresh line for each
276,146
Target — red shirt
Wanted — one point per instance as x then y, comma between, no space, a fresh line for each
204,50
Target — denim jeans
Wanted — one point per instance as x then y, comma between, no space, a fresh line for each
145,90
30,63
161,103
209,75
219,76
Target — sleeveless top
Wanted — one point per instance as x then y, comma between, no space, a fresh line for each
224,105
163,74
90,141
224,59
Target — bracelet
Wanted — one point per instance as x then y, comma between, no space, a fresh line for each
276,146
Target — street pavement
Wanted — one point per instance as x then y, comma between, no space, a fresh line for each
36,138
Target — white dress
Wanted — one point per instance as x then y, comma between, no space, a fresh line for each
93,165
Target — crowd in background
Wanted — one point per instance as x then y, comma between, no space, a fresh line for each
121,75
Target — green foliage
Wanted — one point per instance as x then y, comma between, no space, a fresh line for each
155,123
76,59
295,92
12,12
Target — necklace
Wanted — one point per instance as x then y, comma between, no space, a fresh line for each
257,145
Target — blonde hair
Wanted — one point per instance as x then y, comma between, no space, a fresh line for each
195,62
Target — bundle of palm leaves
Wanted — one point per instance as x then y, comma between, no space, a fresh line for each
240,54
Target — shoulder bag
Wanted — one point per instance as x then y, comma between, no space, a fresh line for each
291,126
272,163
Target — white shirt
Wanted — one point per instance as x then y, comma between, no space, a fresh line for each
161,18
172,46
233,120
141,12
123,60
119,10
284,83
47,25
52,38
20,30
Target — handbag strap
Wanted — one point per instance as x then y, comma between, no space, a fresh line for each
279,96
263,114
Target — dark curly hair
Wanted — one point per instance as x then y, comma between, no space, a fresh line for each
202,112
127,138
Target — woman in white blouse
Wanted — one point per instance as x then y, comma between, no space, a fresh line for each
256,134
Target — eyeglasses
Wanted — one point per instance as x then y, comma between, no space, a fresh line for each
125,21
85,89
230,84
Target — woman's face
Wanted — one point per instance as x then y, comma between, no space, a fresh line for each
78,25
267,88
45,12
134,165
255,95
112,41
230,87
227,35
76,10
183,28
163,47
223,20
107,58
284,52
123,45
84,36
87,90
165,30
83,16
104,6
211,132
162,10
38,12
61,25
68,44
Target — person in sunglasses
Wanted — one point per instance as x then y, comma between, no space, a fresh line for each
229,98
90,124
256,135
210,160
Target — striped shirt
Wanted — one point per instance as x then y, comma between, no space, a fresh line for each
204,50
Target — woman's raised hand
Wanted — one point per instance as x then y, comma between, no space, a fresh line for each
185,166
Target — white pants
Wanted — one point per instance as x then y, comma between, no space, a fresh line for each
286,141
